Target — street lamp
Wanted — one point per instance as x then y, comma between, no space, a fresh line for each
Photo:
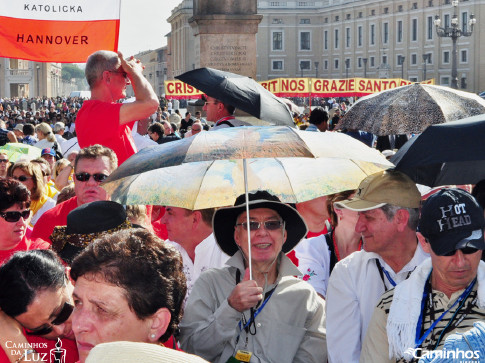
316,69
454,32
365,67
38,85
347,65
425,60
400,60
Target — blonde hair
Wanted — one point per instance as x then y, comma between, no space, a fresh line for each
35,171
59,166
46,130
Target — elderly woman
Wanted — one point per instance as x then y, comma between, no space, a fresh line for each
14,219
129,286
274,317
30,174
46,137
35,307
317,256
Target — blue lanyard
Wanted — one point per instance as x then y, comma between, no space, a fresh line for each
382,271
427,290
255,313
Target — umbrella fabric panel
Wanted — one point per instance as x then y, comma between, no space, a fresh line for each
241,92
18,151
450,153
208,184
248,142
410,109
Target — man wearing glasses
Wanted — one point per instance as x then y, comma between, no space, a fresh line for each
102,120
221,114
93,164
443,295
274,317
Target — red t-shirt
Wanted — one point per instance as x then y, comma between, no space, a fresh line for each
56,216
25,245
43,347
98,122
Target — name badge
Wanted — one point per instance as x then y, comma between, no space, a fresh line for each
243,355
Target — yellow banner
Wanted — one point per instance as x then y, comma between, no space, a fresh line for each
180,90
305,87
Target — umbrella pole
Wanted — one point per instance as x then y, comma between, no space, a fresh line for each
247,218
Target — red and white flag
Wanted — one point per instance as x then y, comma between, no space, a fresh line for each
65,31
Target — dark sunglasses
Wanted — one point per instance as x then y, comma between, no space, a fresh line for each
22,178
3,160
465,251
84,177
65,313
14,216
268,225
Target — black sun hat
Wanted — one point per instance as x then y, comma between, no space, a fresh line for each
224,220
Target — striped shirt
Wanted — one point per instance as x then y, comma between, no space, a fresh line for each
466,314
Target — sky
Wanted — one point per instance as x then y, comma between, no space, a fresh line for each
143,24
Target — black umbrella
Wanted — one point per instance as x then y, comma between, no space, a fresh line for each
241,92
450,153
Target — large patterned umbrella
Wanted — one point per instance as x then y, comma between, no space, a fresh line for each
175,172
410,109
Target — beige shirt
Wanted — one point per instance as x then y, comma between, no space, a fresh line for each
375,348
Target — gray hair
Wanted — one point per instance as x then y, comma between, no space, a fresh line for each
390,211
97,63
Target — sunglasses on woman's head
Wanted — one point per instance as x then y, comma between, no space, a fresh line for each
14,216
65,313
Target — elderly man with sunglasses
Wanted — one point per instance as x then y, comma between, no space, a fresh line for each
93,164
102,120
273,317
445,293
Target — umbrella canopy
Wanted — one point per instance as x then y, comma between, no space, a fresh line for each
241,92
233,143
206,170
410,109
208,184
17,151
452,153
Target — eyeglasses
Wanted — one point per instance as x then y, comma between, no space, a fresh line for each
210,103
65,313
84,177
22,178
4,161
124,74
268,225
465,251
14,216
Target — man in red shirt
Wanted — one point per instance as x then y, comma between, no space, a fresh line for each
93,164
103,121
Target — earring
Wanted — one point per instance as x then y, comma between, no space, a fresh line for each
153,336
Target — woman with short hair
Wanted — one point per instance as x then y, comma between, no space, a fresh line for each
30,174
129,286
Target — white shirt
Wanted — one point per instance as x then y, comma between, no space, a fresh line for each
354,290
208,255
314,262
141,141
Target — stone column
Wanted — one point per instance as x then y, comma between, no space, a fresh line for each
225,35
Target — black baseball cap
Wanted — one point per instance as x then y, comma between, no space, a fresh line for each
452,219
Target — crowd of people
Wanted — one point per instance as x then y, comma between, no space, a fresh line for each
382,273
